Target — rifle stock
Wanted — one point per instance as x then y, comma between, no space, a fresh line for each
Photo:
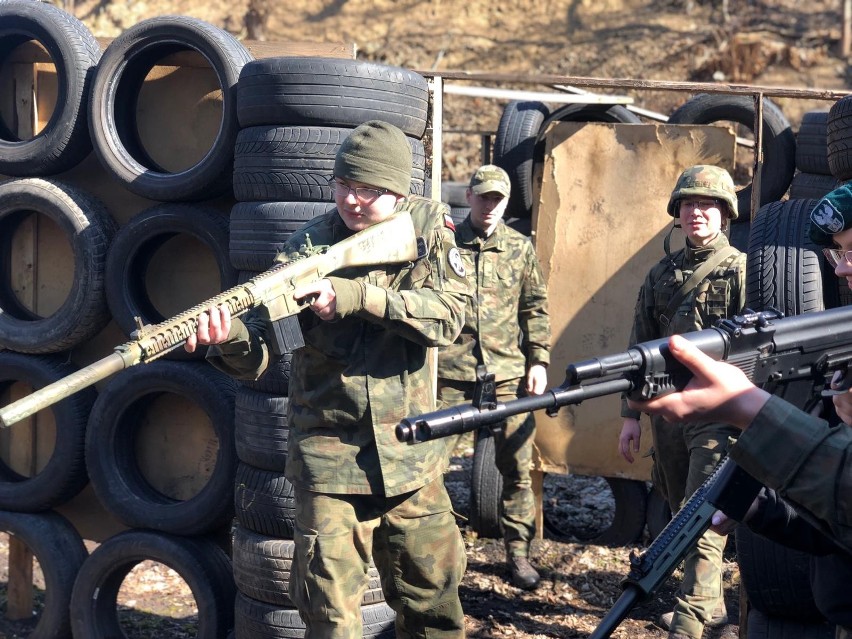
792,357
391,241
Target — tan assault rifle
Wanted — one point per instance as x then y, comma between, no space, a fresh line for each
392,241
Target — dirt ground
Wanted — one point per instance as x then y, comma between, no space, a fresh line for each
580,581
778,43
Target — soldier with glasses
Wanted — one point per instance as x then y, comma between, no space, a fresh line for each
690,290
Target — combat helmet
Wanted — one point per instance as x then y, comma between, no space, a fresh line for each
707,180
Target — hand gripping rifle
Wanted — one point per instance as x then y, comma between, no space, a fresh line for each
391,241
791,357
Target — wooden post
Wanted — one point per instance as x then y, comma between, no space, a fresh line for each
537,477
19,603
758,153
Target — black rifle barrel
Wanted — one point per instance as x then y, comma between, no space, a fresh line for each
618,613
465,418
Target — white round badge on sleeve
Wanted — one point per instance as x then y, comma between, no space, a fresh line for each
456,263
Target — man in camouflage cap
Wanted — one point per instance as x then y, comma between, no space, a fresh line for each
690,290
510,301
360,492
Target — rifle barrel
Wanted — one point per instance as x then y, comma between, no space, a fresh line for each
60,389
619,611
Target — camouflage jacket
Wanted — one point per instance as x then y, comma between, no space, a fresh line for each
506,325
719,295
359,375
806,461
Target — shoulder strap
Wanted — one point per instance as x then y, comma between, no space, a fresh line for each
697,276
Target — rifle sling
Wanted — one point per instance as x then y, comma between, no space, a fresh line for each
697,276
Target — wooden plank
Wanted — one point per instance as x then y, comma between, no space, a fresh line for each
19,603
23,115
46,93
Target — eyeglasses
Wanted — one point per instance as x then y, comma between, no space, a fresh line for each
836,256
700,204
363,193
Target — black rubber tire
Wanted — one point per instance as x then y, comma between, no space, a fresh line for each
811,186
135,245
779,142
763,626
787,271
89,230
839,138
204,567
295,163
454,193
276,377
334,92
784,267
517,148
657,513
738,236
64,141
262,569
486,488
259,230
521,225
459,213
812,144
628,522
64,475
60,552
264,501
261,432
115,93
115,421
775,578
258,620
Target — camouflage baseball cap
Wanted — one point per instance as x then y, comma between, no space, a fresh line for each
831,215
490,179
707,180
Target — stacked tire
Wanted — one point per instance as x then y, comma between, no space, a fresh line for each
294,114
98,434
813,177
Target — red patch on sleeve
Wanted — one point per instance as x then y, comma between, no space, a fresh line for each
448,222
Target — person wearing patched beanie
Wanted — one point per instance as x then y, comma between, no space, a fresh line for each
360,493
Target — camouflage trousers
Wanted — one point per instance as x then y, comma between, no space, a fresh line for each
415,544
513,445
684,456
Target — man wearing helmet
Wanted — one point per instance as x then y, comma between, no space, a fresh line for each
690,290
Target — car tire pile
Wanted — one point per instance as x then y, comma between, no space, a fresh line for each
282,121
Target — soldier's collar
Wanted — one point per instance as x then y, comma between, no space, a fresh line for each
693,253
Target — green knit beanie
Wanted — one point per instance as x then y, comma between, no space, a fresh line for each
831,215
378,154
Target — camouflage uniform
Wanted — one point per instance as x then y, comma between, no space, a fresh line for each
507,329
806,461
686,454
358,490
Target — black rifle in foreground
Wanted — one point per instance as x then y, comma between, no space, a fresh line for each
792,357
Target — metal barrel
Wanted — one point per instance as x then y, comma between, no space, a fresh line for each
58,390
